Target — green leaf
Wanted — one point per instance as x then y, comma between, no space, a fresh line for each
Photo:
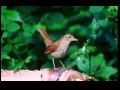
84,31
54,21
101,15
103,22
4,21
19,38
35,27
97,62
5,56
112,8
83,63
12,27
3,8
5,34
19,65
28,30
12,64
73,49
74,28
28,59
70,64
91,48
106,72
7,16
95,24
47,65
7,49
13,15
2,41
95,9
27,35
26,27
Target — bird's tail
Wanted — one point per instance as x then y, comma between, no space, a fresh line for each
45,36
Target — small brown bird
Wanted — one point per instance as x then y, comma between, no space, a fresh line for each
59,48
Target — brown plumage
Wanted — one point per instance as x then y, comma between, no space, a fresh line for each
58,48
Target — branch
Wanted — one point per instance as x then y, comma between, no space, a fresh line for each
58,74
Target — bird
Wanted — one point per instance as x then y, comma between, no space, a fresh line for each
58,48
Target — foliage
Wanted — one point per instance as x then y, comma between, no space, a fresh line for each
96,28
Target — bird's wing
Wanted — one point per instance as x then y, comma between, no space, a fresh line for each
52,48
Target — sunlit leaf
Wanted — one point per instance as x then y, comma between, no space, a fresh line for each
12,27
95,24
112,8
95,9
91,48
103,22
106,72
13,15
97,62
5,34
83,64
101,15
19,65
28,59
5,56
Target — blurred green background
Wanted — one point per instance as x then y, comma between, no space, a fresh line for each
96,27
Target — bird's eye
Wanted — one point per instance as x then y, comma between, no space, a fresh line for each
68,36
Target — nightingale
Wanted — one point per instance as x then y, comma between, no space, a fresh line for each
59,48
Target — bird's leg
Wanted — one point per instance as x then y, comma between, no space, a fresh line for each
53,62
62,63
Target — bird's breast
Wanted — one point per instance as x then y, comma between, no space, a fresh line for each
60,52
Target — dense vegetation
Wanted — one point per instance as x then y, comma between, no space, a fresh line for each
96,28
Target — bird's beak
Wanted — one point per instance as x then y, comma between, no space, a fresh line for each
74,39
